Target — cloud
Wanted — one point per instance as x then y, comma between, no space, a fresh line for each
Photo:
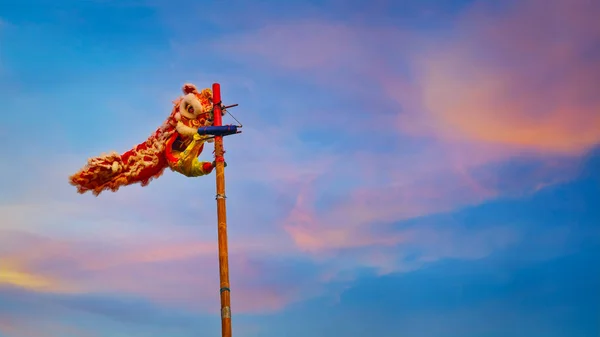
110,243
179,262
94,315
18,307
501,108
506,82
512,83
521,225
353,220
499,295
310,209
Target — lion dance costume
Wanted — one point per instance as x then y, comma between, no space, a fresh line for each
176,144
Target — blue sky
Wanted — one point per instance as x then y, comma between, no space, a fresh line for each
407,168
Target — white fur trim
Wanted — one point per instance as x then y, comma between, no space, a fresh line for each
178,116
185,130
192,100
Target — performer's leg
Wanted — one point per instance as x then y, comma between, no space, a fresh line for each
195,168
188,163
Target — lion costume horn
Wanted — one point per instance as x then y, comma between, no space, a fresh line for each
148,160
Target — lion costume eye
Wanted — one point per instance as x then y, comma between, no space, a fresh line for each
190,108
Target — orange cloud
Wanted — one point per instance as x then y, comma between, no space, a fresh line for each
178,272
500,79
23,279
16,270
495,78
497,87
481,94
118,243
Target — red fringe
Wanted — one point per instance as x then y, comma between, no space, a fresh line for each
141,164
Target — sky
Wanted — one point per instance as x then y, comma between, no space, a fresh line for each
406,168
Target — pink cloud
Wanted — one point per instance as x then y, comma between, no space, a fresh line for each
178,264
353,222
494,78
437,183
493,89
149,240
182,273
499,79
110,243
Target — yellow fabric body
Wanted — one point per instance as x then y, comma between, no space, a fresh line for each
188,163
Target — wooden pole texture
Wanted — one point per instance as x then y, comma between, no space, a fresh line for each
222,218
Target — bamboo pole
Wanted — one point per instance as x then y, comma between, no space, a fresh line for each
222,218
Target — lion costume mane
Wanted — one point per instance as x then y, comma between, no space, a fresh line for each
175,144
